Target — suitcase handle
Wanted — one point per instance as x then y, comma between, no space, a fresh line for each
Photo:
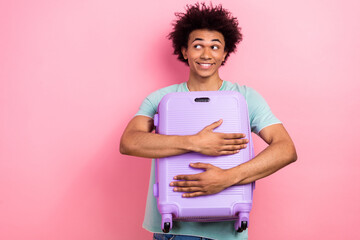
202,99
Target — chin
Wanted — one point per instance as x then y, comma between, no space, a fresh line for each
206,75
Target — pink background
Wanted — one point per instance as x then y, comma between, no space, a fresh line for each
73,73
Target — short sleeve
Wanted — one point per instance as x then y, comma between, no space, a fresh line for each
150,104
260,114
147,108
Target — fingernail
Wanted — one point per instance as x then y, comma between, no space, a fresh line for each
175,189
171,184
175,178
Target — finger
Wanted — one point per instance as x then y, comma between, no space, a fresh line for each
233,135
192,177
187,189
233,147
194,194
200,165
214,125
185,184
228,152
235,141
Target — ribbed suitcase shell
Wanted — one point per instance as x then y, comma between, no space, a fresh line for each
187,113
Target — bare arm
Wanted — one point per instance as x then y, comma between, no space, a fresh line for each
139,140
278,154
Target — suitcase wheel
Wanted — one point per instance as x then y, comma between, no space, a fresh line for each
243,226
166,227
166,222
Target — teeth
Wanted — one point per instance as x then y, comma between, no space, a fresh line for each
205,64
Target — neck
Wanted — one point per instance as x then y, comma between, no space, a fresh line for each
204,84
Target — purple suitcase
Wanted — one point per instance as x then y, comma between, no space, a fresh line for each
187,113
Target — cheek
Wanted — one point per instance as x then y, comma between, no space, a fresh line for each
193,55
220,58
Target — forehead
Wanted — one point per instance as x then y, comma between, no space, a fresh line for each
206,35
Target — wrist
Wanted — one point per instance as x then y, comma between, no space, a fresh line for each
190,143
236,175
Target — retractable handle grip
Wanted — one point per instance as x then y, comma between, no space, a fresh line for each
202,99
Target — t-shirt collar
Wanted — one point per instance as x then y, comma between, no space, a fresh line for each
187,89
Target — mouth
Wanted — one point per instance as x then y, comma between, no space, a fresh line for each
205,65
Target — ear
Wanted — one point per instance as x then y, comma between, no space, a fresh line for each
225,54
183,51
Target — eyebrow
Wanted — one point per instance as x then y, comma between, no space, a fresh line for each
213,40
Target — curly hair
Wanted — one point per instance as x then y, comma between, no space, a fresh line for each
200,16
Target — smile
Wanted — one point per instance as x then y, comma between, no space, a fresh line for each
205,65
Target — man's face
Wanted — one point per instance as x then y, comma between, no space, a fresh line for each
205,52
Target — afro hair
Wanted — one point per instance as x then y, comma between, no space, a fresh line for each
200,16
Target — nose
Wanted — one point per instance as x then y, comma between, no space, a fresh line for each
206,54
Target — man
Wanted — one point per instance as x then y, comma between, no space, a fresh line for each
203,38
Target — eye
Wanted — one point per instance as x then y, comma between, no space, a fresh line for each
197,46
215,47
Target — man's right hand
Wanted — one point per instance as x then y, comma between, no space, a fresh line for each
138,140
213,143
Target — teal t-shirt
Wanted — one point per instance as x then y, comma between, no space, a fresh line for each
260,117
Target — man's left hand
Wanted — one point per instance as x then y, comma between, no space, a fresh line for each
211,181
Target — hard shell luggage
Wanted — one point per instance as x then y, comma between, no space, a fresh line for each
187,113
